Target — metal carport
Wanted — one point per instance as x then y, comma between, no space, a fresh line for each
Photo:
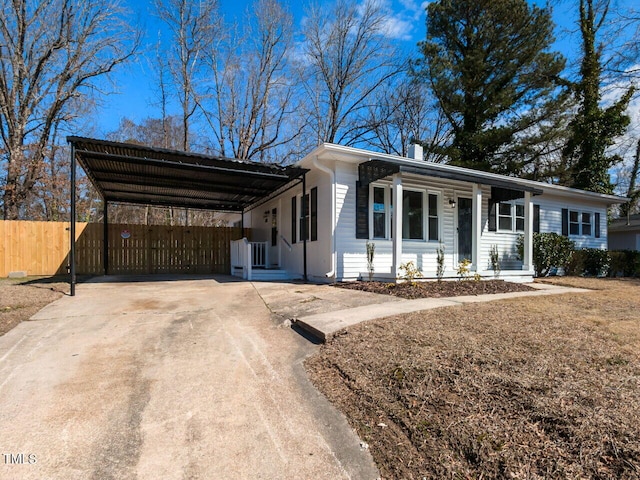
138,174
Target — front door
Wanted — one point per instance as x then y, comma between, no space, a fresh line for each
274,257
465,219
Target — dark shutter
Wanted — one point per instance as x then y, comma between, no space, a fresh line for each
314,213
362,211
492,215
294,220
596,220
536,219
565,222
304,217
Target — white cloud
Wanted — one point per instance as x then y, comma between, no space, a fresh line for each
396,27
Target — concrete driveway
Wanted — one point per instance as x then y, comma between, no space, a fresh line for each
166,379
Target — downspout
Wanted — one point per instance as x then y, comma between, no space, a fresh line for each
332,176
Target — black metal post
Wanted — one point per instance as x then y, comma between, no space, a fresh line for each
72,215
242,224
307,229
105,238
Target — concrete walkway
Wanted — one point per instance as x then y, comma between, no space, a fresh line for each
324,325
166,380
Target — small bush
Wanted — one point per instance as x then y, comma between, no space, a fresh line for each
371,251
440,260
411,272
624,263
596,262
464,269
549,250
494,259
590,262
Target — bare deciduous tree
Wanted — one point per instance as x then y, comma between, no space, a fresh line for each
403,114
251,101
346,59
194,25
51,53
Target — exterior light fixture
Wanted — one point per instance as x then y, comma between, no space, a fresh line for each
452,203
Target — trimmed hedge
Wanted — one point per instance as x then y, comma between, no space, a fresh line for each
551,250
590,262
624,263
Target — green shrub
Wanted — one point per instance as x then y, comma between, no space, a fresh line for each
550,250
624,263
590,262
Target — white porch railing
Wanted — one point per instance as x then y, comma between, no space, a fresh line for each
247,255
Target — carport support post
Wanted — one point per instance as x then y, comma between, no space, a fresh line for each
306,212
105,238
72,229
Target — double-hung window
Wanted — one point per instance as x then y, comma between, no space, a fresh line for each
510,217
580,223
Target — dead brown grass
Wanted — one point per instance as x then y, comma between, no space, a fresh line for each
19,300
538,387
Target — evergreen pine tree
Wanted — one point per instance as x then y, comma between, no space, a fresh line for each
495,80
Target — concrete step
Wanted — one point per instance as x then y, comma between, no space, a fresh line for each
272,275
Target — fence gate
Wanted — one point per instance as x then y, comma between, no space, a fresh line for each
142,249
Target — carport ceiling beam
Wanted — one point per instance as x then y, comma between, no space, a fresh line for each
113,194
167,163
104,176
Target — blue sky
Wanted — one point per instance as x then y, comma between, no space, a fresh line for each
135,84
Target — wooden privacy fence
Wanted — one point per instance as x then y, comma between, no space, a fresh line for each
42,248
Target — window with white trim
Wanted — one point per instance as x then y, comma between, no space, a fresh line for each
380,212
420,213
580,223
510,217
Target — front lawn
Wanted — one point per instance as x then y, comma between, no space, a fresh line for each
532,387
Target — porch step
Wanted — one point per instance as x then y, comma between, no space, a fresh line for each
273,275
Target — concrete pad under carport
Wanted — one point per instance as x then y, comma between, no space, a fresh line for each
162,379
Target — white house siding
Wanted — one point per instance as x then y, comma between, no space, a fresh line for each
550,221
551,218
352,260
352,251
505,241
318,251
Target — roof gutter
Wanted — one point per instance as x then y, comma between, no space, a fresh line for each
332,176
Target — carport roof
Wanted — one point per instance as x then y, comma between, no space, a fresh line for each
130,173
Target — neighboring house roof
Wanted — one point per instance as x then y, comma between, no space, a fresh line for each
625,225
355,155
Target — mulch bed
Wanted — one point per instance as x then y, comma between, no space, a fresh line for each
437,289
